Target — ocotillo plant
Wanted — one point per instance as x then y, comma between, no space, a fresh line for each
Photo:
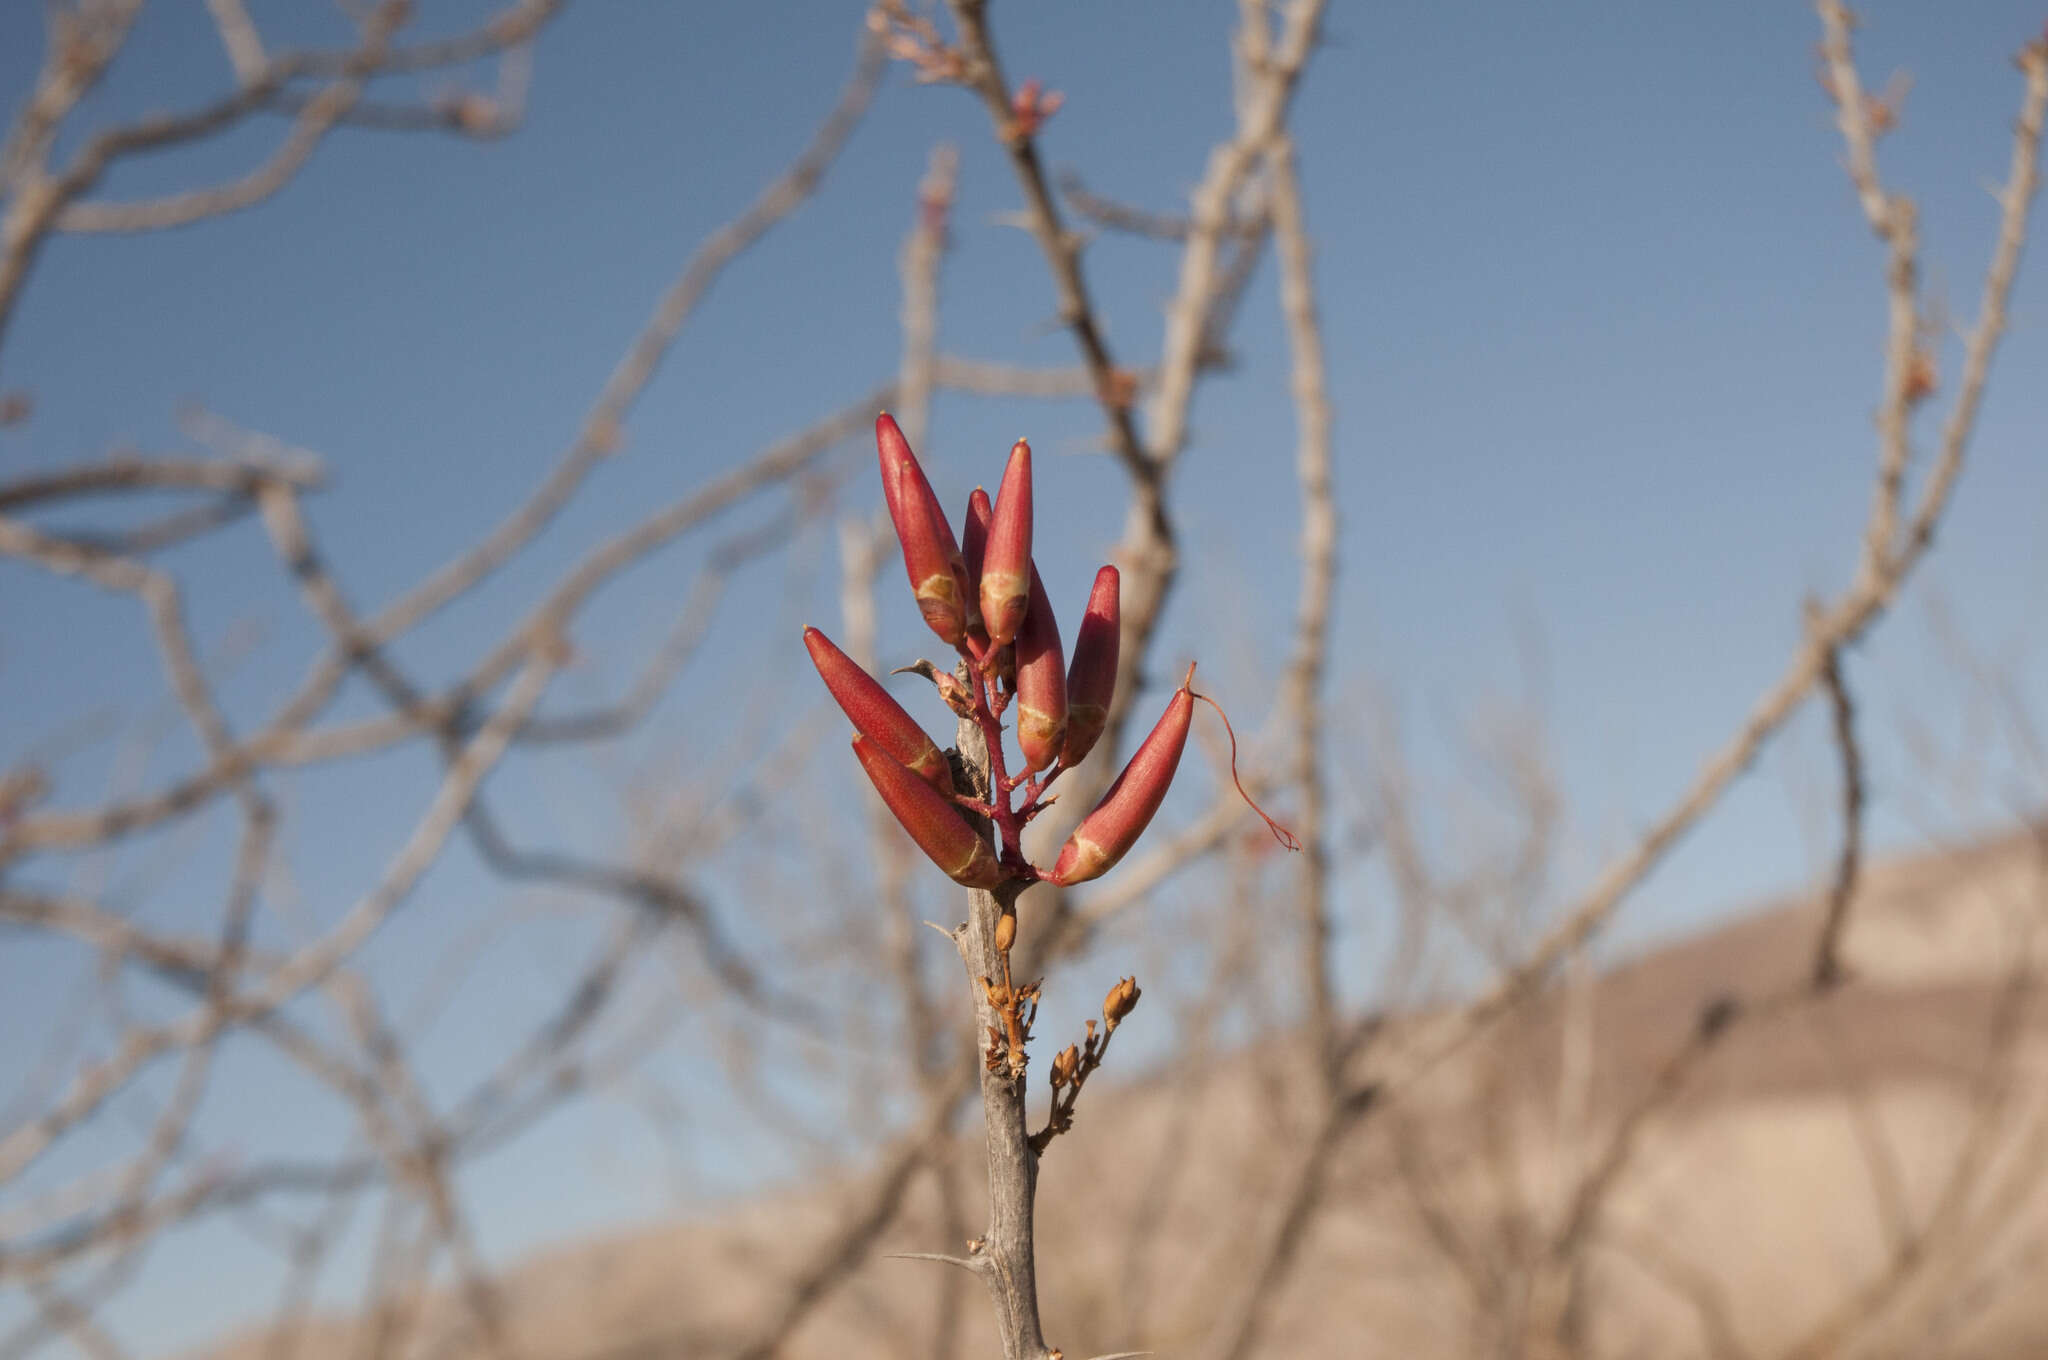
981,594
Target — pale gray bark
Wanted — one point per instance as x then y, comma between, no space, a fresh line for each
1003,1256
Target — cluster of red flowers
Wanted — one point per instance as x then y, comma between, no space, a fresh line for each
981,594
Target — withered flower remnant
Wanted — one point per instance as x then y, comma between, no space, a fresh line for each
1065,1064
1121,1001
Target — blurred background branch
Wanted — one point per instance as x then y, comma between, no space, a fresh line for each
458,866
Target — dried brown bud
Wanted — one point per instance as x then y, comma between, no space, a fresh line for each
955,695
1121,1001
1119,389
1065,1064
1921,378
1006,931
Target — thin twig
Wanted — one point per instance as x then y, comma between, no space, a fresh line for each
1827,965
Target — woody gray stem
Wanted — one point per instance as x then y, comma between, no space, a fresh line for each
1005,1260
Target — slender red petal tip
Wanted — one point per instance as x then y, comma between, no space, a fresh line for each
1107,834
1005,589
1091,679
931,556
973,543
933,822
1041,683
875,714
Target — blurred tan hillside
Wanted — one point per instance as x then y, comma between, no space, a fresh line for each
1802,1186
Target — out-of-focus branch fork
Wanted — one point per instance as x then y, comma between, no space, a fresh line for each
406,1149
41,200
1062,249
599,436
1888,554
1883,566
1566,1259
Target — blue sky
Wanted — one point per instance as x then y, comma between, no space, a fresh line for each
1604,332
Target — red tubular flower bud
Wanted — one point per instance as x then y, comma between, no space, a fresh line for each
937,827
1006,563
1041,683
931,557
973,542
1107,834
876,715
1091,680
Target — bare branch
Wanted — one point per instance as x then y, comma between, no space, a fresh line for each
239,36
1827,966
139,474
1306,669
313,964
604,425
309,129
1108,212
1847,619
1061,249
870,1213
